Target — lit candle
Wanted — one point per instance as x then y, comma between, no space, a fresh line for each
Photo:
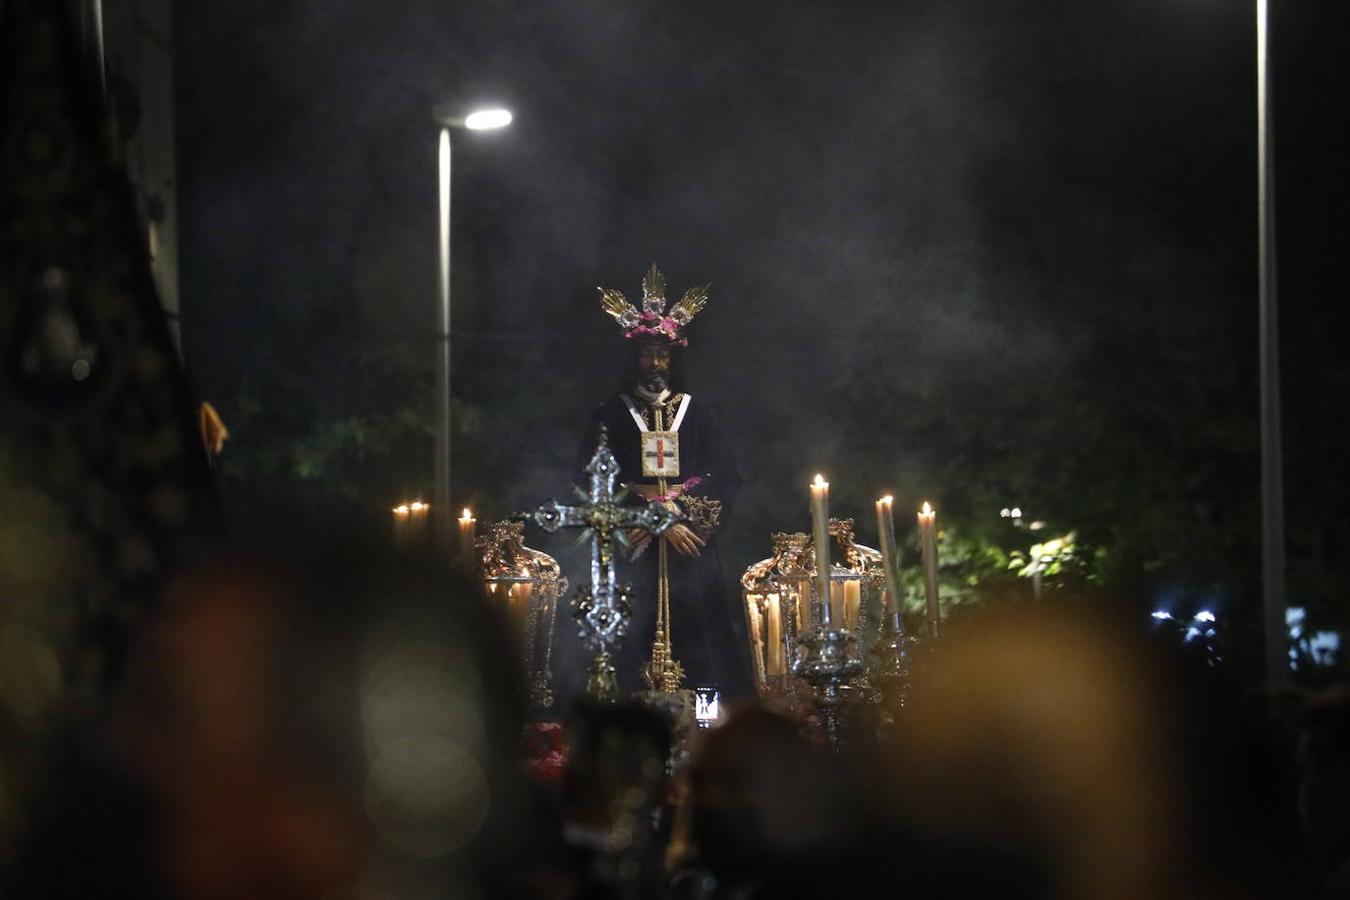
410,523
518,599
820,523
774,636
852,604
757,636
890,558
928,549
467,526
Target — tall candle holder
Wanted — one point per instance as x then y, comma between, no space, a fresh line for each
782,605
777,594
829,657
890,664
525,584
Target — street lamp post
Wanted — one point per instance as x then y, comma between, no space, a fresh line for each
480,120
1272,466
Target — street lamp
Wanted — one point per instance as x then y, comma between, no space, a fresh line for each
1272,465
478,120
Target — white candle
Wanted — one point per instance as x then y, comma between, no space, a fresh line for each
886,541
518,601
928,549
467,526
852,604
777,664
820,522
757,636
410,523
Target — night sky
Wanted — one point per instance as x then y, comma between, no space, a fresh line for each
897,206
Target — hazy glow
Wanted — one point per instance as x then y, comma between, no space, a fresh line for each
426,795
820,481
487,119
1204,615
1162,615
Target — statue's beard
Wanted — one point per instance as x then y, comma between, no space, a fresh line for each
654,383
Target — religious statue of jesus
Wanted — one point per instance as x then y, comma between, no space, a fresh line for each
670,448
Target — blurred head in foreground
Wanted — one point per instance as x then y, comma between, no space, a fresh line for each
761,797
1060,742
325,722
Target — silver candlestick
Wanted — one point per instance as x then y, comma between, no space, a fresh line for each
828,661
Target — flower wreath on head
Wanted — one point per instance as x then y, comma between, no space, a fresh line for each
654,320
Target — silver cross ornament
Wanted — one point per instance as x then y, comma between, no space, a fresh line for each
602,608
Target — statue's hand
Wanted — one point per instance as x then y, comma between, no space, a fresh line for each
637,541
683,540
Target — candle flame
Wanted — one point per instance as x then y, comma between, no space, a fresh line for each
887,500
401,509
417,506
467,515
927,510
820,481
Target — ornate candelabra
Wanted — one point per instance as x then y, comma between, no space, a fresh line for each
891,663
783,606
828,661
602,608
526,585
777,594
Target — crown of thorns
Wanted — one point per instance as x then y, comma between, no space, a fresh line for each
655,321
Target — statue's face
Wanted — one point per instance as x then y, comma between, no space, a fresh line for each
654,367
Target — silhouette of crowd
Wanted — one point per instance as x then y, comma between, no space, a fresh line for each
326,722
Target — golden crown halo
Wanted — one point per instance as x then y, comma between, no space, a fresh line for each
655,320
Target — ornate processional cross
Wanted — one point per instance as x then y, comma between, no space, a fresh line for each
602,608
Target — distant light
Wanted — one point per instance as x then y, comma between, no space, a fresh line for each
1204,615
707,705
1294,619
1016,512
1162,615
1005,512
1036,526
1323,646
487,119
